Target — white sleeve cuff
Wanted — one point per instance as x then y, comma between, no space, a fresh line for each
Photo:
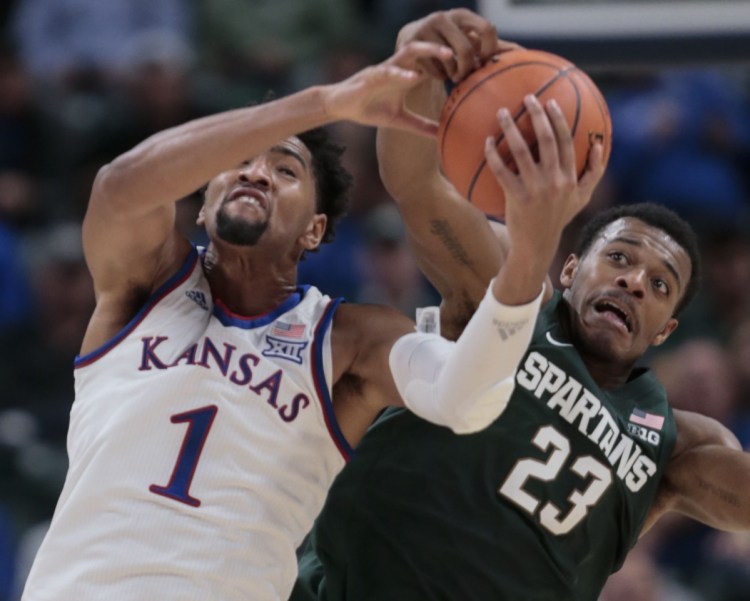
467,384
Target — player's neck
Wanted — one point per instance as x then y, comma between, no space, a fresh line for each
249,283
607,373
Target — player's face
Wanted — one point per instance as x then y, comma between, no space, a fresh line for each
625,289
270,196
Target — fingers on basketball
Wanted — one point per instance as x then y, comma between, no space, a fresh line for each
469,116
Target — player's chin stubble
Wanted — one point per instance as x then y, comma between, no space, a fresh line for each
238,232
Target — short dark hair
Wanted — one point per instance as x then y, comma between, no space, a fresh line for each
332,181
657,216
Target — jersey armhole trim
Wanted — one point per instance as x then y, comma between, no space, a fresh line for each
321,385
185,270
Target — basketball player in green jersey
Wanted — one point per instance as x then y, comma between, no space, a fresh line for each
547,501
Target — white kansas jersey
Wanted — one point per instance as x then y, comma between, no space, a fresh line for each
201,445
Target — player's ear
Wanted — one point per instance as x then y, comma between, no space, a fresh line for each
665,332
202,191
569,271
315,231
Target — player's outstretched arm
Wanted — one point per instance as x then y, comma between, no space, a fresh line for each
708,478
129,236
454,245
467,385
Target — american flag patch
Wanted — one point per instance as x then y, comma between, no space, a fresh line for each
649,420
288,330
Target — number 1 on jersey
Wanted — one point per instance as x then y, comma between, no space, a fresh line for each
199,423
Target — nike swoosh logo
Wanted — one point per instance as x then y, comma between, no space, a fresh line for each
556,342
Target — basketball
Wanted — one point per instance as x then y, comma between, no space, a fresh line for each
470,115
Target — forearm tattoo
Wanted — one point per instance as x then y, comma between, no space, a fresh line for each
443,231
727,496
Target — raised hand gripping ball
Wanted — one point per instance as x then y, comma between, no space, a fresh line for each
470,115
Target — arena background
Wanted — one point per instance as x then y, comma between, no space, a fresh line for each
84,80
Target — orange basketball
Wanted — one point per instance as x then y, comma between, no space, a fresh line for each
470,115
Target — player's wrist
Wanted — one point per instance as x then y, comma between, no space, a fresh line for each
331,101
509,293
522,276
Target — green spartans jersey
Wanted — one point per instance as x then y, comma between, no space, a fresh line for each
544,504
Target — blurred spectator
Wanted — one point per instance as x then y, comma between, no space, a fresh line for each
15,296
726,574
84,56
360,158
26,136
36,370
739,350
679,139
384,18
19,206
152,94
640,579
334,267
739,359
66,41
723,302
7,556
698,376
260,46
157,85
63,289
726,265
23,128
28,546
391,275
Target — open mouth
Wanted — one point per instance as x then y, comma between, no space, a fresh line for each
614,312
250,196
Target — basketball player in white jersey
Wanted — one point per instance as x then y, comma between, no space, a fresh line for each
215,398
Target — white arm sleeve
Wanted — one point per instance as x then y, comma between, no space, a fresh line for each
465,385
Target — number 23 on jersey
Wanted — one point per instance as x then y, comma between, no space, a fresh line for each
598,476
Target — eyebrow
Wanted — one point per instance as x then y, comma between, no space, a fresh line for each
635,242
285,150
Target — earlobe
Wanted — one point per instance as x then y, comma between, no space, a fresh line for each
201,216
666,331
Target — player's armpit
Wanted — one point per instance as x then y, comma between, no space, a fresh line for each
361,342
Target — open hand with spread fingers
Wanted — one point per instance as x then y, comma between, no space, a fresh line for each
376,95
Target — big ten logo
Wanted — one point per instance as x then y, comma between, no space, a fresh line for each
645,434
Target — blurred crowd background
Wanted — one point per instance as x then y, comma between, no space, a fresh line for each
82,81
